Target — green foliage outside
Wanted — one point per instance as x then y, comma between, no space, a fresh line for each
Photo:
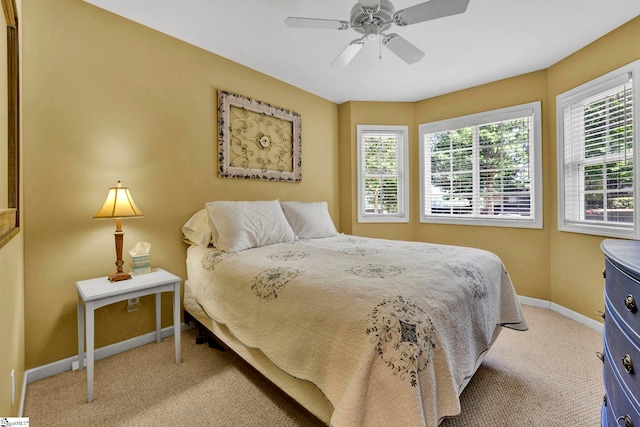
381,173
502,164
608,175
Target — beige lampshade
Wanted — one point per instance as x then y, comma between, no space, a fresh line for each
119,204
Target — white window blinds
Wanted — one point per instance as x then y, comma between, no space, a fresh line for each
597,149
482,169
382,165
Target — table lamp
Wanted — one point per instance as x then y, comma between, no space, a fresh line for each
118,205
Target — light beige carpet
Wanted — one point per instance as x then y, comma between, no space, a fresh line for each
547,376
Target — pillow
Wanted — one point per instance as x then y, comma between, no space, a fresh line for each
309,220
244,225
199,230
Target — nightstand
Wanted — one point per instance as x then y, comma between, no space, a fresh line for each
96,293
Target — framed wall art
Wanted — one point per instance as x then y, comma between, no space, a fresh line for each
257,140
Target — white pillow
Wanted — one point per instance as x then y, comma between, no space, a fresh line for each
309,220
244,225
199,230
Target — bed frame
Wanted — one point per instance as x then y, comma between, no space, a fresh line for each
302,392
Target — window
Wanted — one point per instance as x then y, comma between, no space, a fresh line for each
383,187
596,152
483,169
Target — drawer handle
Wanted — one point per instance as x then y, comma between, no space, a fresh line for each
630,303
628,422
627,363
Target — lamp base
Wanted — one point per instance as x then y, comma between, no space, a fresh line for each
116,277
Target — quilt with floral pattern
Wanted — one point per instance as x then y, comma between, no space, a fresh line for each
388,330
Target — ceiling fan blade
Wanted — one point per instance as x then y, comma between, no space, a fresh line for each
333,24
348,53
405,50
429,10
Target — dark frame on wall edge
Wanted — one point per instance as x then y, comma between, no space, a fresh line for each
10,218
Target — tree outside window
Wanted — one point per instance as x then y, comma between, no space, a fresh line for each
483,169
597,147
382,173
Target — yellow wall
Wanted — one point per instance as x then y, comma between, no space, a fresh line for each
106,99
12,324
525,252
357,113
576,262
12,307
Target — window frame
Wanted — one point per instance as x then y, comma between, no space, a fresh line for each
532,109
584,91
403,187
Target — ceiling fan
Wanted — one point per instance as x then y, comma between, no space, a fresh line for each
373,17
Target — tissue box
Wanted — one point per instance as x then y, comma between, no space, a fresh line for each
140,264
140,258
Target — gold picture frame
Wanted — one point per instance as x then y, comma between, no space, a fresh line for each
257,140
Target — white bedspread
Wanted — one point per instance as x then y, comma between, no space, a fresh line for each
387,330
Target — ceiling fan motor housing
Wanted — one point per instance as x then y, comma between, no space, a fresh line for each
382,19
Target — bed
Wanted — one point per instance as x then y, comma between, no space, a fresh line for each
359,331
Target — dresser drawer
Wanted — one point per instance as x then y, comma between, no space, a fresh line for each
623,291
624,354
620,409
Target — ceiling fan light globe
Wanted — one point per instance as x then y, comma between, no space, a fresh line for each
372,31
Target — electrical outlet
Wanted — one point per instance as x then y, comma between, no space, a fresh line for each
134,305
13,386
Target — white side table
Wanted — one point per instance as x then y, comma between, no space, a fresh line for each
96,293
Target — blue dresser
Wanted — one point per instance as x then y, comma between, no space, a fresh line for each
621,336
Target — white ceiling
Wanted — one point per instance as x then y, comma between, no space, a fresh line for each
494,39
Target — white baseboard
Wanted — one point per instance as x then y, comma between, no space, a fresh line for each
535,302
580,318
